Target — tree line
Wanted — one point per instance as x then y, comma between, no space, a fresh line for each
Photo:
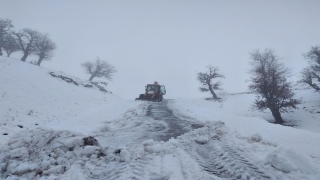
28,41
31,42
268,80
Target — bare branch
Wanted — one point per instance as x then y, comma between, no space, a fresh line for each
311,76
27,38
10,44
203,89
5,26
44,47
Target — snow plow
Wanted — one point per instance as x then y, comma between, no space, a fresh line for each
153,92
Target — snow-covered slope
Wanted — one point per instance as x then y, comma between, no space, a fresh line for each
306,117
30,97
289,149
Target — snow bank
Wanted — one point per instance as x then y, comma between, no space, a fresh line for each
287,160
49,153
53,154
43,119
260,140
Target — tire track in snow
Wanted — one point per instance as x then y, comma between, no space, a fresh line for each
215,157
219,159
133,170
191,170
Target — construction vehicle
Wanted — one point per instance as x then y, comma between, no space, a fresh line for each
153,92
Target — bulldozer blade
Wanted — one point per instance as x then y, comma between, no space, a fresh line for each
138,99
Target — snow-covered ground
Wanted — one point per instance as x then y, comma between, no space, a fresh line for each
31,97
44,120
293,149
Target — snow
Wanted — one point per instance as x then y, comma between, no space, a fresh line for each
24,167
287,160
48,120
32,98
290,149
19,153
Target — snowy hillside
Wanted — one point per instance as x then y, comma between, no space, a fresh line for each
292,147
47,119
306,117
31,97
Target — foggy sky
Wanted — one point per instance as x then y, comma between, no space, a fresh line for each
169,41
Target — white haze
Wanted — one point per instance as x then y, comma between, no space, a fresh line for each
169,41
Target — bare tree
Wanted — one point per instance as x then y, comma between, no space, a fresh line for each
44,47
99,69
27,38
5,26
311,74
10,45
269,82
207,84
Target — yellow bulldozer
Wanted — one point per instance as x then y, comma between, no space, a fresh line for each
153,92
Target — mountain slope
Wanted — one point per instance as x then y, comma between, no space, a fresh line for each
30,97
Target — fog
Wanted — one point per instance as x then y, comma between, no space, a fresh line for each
169,41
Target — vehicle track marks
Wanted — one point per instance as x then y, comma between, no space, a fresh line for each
219,159
133,170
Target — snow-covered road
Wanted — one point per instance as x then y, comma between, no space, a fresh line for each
166,138
148,142
175,126
177,145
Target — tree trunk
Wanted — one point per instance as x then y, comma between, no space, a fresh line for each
92,76
277,116
1,51
212,92
24,57
8,54
39,61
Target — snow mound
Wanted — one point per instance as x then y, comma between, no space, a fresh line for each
287,160
47,153
256,138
